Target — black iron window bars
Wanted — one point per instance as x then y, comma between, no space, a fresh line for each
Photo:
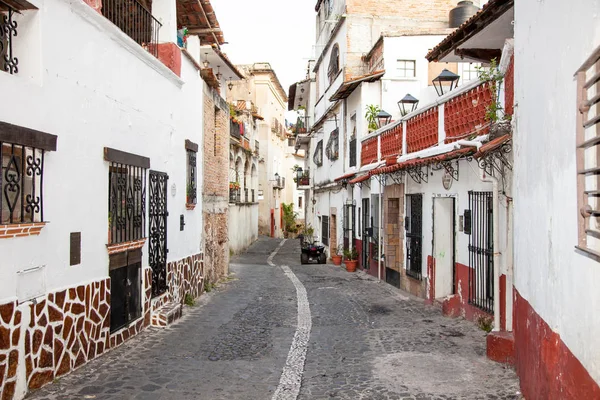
126,203
479,227
192,186
21,196
8,32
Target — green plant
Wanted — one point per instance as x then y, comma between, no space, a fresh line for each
189,300
492,75
338,251
351,254
371,116
485,323
208,286
289,217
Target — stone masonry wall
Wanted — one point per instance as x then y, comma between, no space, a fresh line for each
215,195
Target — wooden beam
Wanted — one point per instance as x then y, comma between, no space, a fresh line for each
189,145
15,134
202,31
484,55
122,157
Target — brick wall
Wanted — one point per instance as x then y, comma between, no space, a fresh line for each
215,194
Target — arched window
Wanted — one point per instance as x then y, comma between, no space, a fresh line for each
334,63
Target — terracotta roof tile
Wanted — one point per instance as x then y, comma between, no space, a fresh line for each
359,179
345,176
492,145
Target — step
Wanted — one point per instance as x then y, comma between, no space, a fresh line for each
501,347
167,314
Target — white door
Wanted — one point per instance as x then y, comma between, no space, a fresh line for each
443,245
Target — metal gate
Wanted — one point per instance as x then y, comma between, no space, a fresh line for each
478,224
413,224
367,232
157,244
349,226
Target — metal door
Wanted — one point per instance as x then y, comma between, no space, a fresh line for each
367,232
479,227
157,244
349,227
413,224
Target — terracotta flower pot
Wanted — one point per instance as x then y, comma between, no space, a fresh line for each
351,265
337,259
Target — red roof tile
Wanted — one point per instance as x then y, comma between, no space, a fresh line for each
359,179
492,145
345,176
423,161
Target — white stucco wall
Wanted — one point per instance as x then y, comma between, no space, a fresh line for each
243,226
98,91
559,283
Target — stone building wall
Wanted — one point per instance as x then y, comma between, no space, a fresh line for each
215,192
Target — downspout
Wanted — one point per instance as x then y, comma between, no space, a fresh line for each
509,265
496,254
379,248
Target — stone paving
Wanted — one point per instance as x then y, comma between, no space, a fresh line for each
368,341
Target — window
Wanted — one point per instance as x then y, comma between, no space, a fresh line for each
334,63
126,196
469,71
405,68
353,141
22,152
325,230
8,27
191,193
21,197
318,156
588,155
300,202
333,145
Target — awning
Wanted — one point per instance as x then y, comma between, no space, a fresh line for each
480,38
359,179
200,19
348,87
345,177
492,145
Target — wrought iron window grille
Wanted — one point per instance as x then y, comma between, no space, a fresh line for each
413,225
318,155
353,152
8,33
126,203
21,179
333,145
135,20
234,195
325,230
334,63
191,189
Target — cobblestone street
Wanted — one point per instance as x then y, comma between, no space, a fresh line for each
368,341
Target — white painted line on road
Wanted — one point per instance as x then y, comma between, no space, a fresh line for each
291,377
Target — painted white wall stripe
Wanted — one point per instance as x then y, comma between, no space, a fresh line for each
291,377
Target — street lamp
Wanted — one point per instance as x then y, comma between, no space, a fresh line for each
408,104
446,77
383,118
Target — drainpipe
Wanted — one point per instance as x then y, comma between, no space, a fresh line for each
496,254
509,265
379,229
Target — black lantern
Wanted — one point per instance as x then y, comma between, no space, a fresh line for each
219,75
444,79
383,118
205,63
408,104
230,84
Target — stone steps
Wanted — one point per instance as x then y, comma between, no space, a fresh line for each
167,314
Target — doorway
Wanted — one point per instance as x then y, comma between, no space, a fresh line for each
157,233
443,246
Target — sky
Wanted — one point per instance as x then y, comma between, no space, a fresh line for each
280,32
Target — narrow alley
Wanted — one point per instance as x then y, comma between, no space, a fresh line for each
368,341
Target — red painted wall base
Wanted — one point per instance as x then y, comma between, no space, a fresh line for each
170,55
458,305
501,347
545,365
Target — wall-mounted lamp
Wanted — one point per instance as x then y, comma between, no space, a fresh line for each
408,104
230,84
445,78
219,75
205,62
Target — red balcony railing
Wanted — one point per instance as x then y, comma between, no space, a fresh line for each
368,152
422,130
465,114
391,142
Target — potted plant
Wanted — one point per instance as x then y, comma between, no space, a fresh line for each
336,254
190,192
371,116
351,259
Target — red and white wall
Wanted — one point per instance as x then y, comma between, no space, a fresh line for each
557,328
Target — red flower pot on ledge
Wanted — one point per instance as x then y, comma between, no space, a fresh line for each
351,259
351,265
337,259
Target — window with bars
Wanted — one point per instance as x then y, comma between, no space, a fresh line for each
318,155
191,150
588,155
332,150
325,230
8,35
334,63
21,178
405,68
126,196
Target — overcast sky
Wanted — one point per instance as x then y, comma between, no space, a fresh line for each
280,32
